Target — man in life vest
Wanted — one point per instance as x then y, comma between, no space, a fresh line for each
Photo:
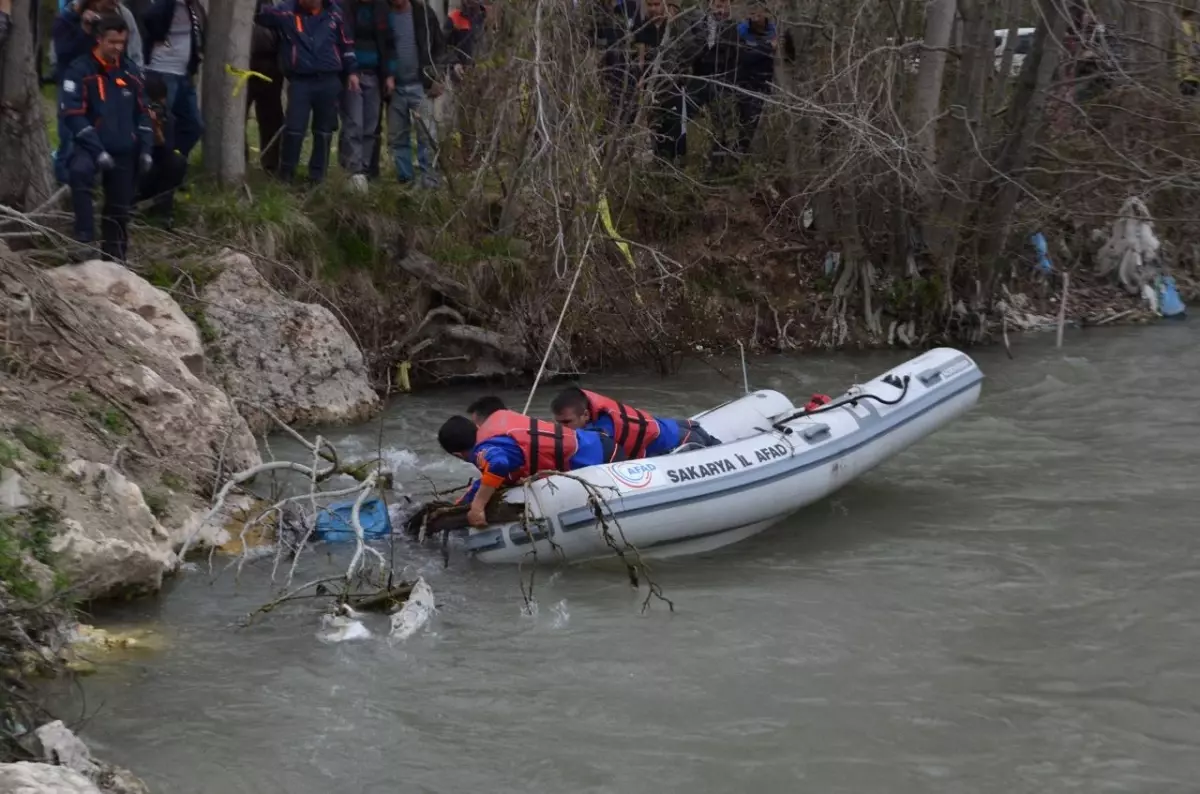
636,433
509,447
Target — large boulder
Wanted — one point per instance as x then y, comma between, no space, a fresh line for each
145,360
291,358
28,778
113,544
164,320
68,767
119,402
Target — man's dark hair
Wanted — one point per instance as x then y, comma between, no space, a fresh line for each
486,406
570,397
156,87
457,434
109,23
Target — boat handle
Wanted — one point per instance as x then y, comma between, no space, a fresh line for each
813,433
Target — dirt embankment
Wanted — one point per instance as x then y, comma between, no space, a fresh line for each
431,294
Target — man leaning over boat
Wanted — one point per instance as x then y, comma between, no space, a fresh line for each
508,447
636,433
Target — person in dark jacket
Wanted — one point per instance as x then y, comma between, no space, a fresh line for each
757,42
168,167
102,105
615,26
266,96
5,23
318,54
362,109
414,82
711,43
464,34
174,49
74,35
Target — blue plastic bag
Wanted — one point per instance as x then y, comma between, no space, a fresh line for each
1039,243
1169,302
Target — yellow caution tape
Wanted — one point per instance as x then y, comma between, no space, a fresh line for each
243,76
606,219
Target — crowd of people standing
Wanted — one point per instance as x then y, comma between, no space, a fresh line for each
129,110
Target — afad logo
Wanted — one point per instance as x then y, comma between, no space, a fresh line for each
635,475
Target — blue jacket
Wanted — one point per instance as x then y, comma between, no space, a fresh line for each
103,107
669,434
71,41
313,44
756,56
157,21
499,458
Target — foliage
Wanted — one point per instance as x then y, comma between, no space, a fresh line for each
158,502
27,534
44,445
9,453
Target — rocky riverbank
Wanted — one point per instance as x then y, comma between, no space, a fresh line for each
118,415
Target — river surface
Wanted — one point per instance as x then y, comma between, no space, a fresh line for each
1012,605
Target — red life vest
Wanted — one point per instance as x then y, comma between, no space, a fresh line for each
547,446
633,430
817,401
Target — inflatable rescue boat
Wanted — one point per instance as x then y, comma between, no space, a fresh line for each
774,459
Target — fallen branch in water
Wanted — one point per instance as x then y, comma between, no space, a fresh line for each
368,581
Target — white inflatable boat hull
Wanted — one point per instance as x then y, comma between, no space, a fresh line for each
765,470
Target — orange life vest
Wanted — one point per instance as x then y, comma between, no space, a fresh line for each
547,446
633,430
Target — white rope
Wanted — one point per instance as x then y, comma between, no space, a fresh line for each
566,302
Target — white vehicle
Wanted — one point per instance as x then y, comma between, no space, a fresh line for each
1022,48
773,460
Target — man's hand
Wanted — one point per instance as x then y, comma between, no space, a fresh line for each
145,162
352,83
477,516
389,85
459,71
104,162
435,90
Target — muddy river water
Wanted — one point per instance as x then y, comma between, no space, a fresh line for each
1012,605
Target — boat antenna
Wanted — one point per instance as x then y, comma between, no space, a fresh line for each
745,373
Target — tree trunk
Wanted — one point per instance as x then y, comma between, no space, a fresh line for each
1024,121
228,42
927,98
24,145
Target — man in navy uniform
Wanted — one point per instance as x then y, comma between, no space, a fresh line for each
102,106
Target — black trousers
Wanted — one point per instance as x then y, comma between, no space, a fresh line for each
159,186
267,100
314,98
119,184
693,433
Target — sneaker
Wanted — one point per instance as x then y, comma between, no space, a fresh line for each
359,183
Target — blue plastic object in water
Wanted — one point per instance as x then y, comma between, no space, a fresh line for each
333,522
1169,302
1039,243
